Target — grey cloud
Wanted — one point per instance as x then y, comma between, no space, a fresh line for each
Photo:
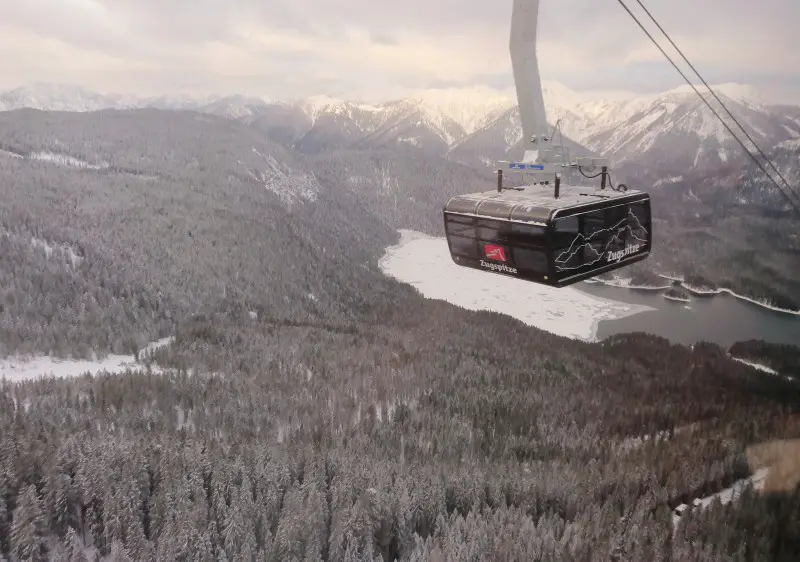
436,84
83,28
384,39
586,22
194,21
560,18
497,81
575,17
171,33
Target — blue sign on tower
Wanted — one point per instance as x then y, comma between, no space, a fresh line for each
523,166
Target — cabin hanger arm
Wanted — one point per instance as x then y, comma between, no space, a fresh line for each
525,65
540,157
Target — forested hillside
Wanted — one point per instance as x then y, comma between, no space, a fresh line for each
398,437
312,408
751,254
169,212
784,359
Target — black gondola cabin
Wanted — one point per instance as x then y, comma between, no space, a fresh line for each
532,235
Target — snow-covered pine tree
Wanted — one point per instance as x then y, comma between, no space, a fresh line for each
28,527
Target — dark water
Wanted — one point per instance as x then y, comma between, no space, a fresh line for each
722,319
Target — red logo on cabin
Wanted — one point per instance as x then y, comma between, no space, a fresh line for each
496,253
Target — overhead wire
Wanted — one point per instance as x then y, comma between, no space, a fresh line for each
741,143
713,93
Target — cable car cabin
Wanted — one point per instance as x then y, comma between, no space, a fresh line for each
529,234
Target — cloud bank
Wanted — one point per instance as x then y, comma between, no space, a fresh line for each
377,48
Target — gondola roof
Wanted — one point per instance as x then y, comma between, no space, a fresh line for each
536,204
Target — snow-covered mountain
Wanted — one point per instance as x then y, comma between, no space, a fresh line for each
60,97
677,129
233,107
440,116
673,132
650,136
501,140
434,120
643,135
705,197
755,187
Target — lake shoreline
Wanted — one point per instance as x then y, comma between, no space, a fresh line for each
407,235
423,262
624,283
591,310
723,321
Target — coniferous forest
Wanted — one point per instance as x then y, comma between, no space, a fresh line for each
309,407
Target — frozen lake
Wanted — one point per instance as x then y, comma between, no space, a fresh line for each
424,262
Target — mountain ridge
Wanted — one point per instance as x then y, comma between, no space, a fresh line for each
582,113
672,131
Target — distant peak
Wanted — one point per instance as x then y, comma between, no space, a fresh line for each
741,93
323,99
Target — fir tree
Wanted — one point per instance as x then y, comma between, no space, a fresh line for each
28,527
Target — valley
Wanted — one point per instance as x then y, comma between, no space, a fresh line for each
717,216
304,404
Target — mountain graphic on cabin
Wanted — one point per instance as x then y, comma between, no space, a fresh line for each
630,225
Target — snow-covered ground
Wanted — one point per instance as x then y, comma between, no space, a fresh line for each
16,369
729,494
757,366
424,262
761,367
627,283
66,160
709,292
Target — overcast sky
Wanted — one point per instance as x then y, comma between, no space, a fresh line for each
379,48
